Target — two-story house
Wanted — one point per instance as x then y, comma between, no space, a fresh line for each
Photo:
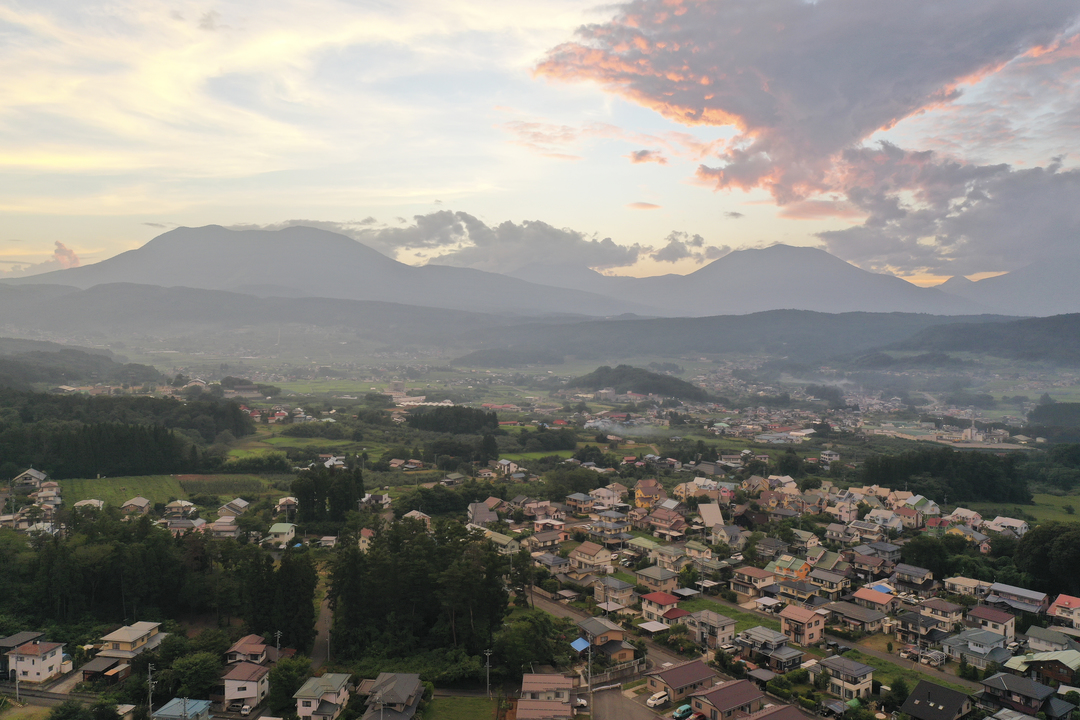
680,681
392,695
981,648
608,638
542,686
876,600
655,605
848,679
1022,695
246,683
829,584
1017,598
988,618
648,493
735,698
770,645
914,579
789,567
928,701
249,648
1065,610
916,629
588,557
802,626
131,640
709,628
657,578
613,590
323,697
951,614
36,661
1050,668
750,581
855,617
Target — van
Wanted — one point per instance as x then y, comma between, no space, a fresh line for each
657,699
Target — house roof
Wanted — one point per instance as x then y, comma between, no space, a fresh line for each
14,641
754,572
845,666
711,515
928,701
1068,658
543,709
798,614
985,612
393,688
1019,685
685,674
1047,635
130,633
730,695
588,549
661,598
656,572
183,707
281,528
246,672
316,687
35,648
538,682
598,626
856,612
878,598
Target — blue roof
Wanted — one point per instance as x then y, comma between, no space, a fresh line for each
580,644
882,589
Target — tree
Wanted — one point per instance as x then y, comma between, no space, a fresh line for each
197,674
70,710
287,676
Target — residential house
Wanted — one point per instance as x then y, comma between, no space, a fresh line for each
180,508
1065,610
613,590
925,506
671,557
909,517
769,547
1017,598
789,567
981,648
131,640
608,638
505,544
656,604
136,506
580,503
392,696
804,540
928,701
848,679
588,557
367,535
246,683
771,645
480,514
855,617
735,698
323,697
730,535
281,534
867,567
235,507
1022,695
751,581
988,618
224,527
657,578
876,600
1046,640
1060,668
916,629
680,681
36,661
711,516
866,531
829,584
421,517
12,642
963,516
887,519
960,585
249,649
798,592
710,629
697,551
610,528
286,505
1006,524
667,524
843,511
951,614
183,709
838,533
917,580
648,493
802,626
543,686
28,479
544,541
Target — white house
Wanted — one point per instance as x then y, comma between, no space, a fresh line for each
246,683
36,661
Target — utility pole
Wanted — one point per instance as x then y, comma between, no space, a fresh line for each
487,666
277,636
589,638
150,689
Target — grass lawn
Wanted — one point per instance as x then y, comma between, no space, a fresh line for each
28,712
625,577
461,708
1046,508
521,457
886,672
118,490
743,619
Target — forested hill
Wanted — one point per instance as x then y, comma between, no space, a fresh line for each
945,475
24,363
625,378
82,436
1054,339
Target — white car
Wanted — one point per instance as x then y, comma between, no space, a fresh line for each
658,699
581,702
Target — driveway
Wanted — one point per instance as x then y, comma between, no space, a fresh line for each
613,705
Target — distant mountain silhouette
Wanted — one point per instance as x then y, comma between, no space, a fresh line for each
1043,339
755,280
307,262
1046,287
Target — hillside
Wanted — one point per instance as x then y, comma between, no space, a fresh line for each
625,378
1053,339
67,366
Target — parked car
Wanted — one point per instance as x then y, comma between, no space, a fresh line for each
235,707
657,699
581,702
682,713
246,710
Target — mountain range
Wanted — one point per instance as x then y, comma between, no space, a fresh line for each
308,262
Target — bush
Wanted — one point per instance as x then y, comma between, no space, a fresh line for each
808,703
782,693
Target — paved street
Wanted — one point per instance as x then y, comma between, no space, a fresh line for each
613,705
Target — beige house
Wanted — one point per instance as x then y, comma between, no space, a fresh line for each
131,640
847,679
323,697
588,557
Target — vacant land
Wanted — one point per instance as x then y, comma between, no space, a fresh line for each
1046,508
461,708
743,619
887,672
28,712
163,488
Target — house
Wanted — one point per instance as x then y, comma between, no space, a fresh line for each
789,567
848,679
250,649
802,626
657,578
710,629
544,541
246,683
367,535
183,709
1065,610
838,533
28,479
887,519
392,696
608,638
768,548
131,640
235,507
612,590
1005,691
951,614
875,600
928,701
855,617
648,493
735,698
179,508
36,661
1002,524
917,580
324,697
480,514
552,563
419,516
866,531
1017,598
656,604
539,686
916,629
10,643
751,581
680,681
286,505
667,524
963,516
768,644
1050,668
960,585
829,584
988,618
981,648
797,592
281,534
588,557
136,506
580,503
505,544
1047,640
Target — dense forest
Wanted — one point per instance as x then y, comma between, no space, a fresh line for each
69,367
509,358
1056,415
946,473
1054,339
454,420
82,436
625,378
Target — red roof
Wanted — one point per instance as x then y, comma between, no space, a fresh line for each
675,614
1065,601
35,648
661,598
984,612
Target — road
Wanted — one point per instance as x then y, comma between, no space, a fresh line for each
319,653
613,705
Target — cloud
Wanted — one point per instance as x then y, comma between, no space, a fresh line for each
800,81
643,206
644,156
733,215
154,224
682,246
62,257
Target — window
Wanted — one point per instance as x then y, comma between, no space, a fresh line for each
242,688
306,703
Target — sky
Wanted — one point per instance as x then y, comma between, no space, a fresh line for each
922,138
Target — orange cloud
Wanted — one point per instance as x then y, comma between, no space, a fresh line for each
645,156
643,206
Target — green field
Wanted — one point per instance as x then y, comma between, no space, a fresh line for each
743,619
1046,508
521,457
163,488
886,672
461,708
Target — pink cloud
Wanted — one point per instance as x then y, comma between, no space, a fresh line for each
643,206
645,156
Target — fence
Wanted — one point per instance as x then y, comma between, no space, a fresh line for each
620,672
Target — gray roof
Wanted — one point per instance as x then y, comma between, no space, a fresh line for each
394,688
614,583
656,573
764,635
998,588
857,612
844,666
597,626
933,702
1019,685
